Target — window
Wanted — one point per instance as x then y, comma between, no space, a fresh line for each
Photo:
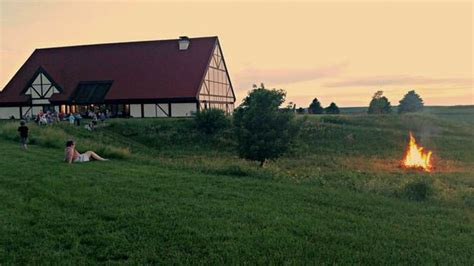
91,92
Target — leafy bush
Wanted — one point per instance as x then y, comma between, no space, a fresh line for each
418,190
211,121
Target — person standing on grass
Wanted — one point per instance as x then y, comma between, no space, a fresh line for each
102,116
71,118
78,118
94,121
72,155
23,130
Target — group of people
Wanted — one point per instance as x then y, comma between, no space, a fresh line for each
52,117
70,153
47,118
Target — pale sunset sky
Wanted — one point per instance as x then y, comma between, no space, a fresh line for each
339,52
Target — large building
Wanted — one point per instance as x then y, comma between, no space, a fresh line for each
166,78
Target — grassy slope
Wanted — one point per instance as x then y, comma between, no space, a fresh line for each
183,197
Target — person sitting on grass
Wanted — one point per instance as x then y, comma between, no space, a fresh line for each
23,129
72,155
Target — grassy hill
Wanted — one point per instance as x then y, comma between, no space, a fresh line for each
172,194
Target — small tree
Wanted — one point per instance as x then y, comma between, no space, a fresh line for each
332,109
300,110
211,121
315,107
411,102
379,104
263,132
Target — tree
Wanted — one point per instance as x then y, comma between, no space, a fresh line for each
332,109
263,132
300,110
211,121
379,104
315,107
411,102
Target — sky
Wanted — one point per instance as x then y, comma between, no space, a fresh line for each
340,52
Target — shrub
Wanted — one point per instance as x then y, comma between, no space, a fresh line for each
211,121
418,190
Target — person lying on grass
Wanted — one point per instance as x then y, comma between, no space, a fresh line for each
72,155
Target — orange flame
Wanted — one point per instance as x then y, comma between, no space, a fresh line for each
416,157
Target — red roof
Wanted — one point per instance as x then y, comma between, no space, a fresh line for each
139,70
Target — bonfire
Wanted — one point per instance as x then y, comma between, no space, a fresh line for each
416,157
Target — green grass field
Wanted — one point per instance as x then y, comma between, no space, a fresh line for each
173,195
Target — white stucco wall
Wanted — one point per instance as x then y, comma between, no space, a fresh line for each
7,112
159,112
36,109
152,110
136,110
40,101
183,109
149,110
26,111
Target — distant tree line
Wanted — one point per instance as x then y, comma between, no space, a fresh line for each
411,102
